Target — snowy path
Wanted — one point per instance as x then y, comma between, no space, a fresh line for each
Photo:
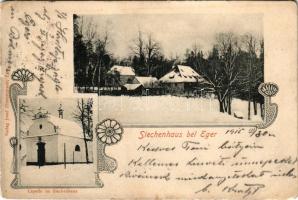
170,110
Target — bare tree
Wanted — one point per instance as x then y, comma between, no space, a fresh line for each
228,47
139,45
215,75
96,40
91,31
89,119
102,56
83,114
87,28
138,48
145,50
252,73
152,50
261,71
222,72
194,57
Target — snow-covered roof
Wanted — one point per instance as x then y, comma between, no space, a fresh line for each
147,81
67,127
182,74
122,70
132,86
62,126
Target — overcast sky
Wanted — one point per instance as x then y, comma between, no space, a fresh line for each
175,32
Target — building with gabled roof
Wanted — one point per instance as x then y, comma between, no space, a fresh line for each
123,70
142,85
147,81
124,74
182,79
182,74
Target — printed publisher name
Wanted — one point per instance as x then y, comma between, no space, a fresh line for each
39,191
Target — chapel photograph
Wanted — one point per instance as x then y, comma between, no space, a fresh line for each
195,68
56,136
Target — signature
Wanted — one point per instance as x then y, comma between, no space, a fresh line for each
247,189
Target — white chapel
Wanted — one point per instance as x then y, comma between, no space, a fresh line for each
53,140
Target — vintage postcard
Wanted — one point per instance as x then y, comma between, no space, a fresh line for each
149,100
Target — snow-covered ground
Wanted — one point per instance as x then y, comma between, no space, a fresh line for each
54,175
157,110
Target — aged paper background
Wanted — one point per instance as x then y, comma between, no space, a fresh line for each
280,35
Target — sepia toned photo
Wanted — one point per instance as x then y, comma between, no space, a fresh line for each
195,68
149,100
56,139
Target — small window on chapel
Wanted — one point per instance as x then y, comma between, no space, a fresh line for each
77,148
40,126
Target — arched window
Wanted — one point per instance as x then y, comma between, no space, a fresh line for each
77,148
40,126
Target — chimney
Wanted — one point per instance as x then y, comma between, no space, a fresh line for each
60,111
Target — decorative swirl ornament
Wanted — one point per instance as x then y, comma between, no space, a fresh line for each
268,90
109,131
22,75
13,143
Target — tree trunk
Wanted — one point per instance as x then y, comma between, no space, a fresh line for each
261,110
84,131
249,97
86,148
221,107
255,107
98,81
221,103
229,105
85,141
225,104
248,109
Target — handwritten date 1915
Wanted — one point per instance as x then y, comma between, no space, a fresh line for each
235,131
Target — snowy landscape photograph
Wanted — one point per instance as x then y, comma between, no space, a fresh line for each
172,69
56,140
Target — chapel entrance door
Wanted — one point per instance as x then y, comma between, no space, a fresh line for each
41,153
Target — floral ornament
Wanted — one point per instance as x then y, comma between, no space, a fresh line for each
23,75
109,131
13,141
268,89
